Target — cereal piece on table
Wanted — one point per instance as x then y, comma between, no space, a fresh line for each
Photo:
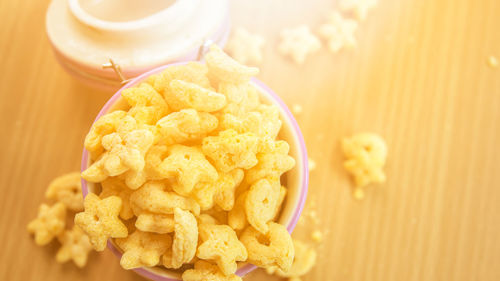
237,218
281,199
147,105
360,8
155,198
278,252
311,164
223,68
220,244
230,150
304,260
245,47
185,240
100,220
206,219
220,191
157,223
241,98
273,161
188,166
48,224
193,72
205,271
298,43
339,32
104,126
186,125
116,187
317,236
75,246
184,95
261,203
366,155
67,189
142,249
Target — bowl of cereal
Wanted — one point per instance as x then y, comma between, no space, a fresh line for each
194,171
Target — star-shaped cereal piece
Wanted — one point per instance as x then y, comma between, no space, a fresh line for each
277,251
223,68
366,155
245,47
185,240
263,122
241,98
339,32
298,43
220,191
116,187
75,246
105,125
273,161
184,95
143,249
205,271
188,166
148,106
220,244
186,125
100,220
360,8
48,224
230,150
67,189
303,262
193,72
261,203
154,197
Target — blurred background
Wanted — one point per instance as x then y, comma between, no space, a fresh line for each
420,76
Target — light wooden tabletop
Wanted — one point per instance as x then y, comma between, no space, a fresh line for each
418,77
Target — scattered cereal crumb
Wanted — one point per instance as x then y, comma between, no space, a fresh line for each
492,62
303,262
311,164
298,43
358,193
360,8
245,47
339,32
317,236
297,109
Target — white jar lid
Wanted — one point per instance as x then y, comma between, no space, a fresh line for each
137,35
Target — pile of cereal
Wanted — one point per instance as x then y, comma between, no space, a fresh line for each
189,174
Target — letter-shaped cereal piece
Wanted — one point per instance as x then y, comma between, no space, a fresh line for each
48,224
304,260
220,191
75,245
261,203
241,98
116,187
223,68
186,125
205,271
105,125
273,162
67,189
100,220
185,240
193,72
143,249
237,218
148,106
157,223
184,95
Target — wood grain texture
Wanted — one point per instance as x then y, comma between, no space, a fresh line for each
418,77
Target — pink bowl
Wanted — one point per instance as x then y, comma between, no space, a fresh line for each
296,144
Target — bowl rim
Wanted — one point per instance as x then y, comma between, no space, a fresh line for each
302,148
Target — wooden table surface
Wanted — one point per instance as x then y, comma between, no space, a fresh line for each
418,77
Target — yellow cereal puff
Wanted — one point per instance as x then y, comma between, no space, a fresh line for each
187,166
186,125
153,159
264,122
206,219
278,252
67,189
237,218
147,105
281,199
128,124
75,246
220,191
184,95
142,249
261,203
157,223
100,220
193,72
219,215
48,224
222,68
117,187
104,126
304,260
185,240
230,150
366,154
271,123
273,162
241,98
205,271
153,197
220,244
